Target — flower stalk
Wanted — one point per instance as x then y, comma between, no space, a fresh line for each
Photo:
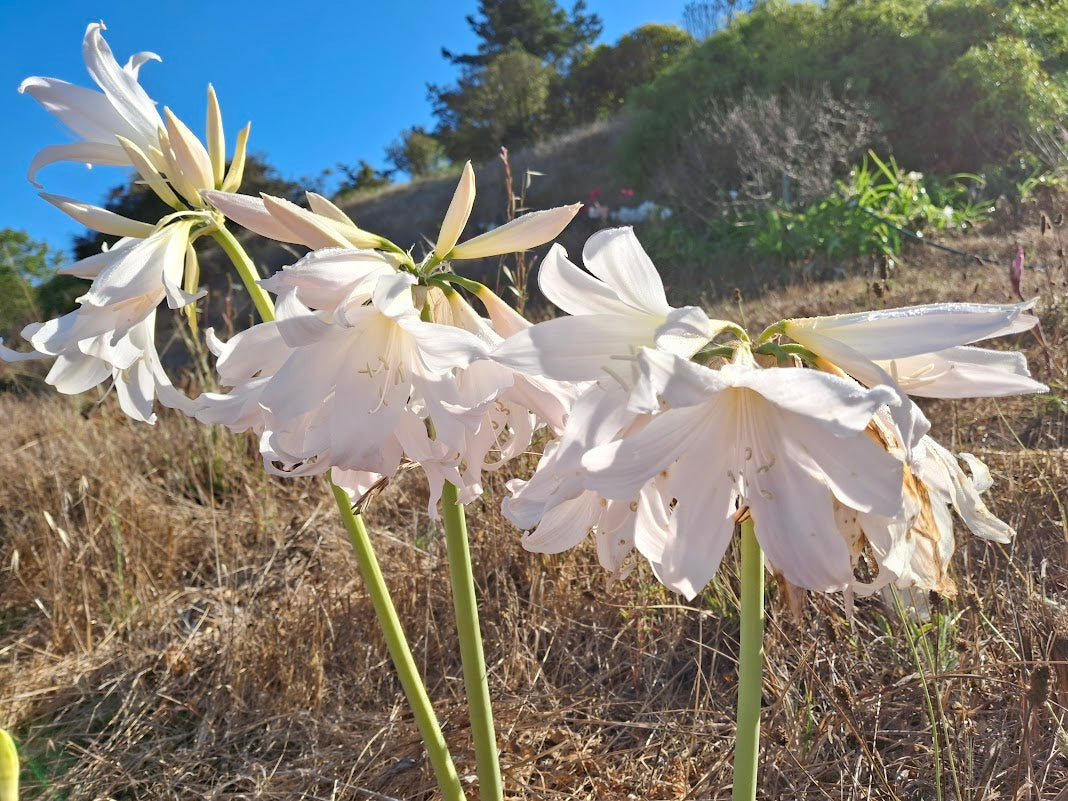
403,661
750,667
476,680
247,270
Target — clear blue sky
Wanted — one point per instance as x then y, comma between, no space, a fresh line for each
322,81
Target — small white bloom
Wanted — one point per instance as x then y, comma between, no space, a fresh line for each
618,309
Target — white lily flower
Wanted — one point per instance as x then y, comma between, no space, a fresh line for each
120,126
918,350
523,233
784,442
356,382
504,408
555,507
121,108
617,310
111,333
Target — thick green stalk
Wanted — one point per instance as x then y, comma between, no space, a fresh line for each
750,667
247,270
436,747
476,681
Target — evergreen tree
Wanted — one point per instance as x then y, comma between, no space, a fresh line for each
538,27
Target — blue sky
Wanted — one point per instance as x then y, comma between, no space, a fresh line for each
321,81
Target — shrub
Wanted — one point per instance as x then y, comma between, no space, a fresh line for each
954,84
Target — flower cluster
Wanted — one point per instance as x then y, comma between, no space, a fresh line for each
111,335
670,426
678,436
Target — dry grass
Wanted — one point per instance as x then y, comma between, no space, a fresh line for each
175,625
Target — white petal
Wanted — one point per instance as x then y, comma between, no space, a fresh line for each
839,406
574,290
463,199
794,521
148,172
896,333
325,278
75,372
87,113
861,474
9,355
619,469
84,152
522,233
964,372
310,229
582,348
506,320
617,258
102,220
565,525
678,381
191,156
298,325
120,86
251,213
686,330
91,266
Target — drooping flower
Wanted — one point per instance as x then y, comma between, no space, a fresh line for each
783,442
921,350
112,332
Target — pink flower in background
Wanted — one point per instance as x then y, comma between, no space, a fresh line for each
627,193
1016,271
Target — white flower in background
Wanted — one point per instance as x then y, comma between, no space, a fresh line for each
615,311
920,350
784,442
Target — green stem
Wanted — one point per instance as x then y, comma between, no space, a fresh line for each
247,270
750,667
476,680
426,720
403,662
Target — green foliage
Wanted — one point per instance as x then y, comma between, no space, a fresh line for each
502,102
862,217
598,83
363,177
24,264
417,153
538,27
954,84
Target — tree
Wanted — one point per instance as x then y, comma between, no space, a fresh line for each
501,103
704,19
539,27
363,177
24,264
597,85
417,153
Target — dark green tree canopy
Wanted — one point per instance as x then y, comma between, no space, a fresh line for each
539,27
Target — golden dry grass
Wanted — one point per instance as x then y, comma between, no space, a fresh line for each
175,625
